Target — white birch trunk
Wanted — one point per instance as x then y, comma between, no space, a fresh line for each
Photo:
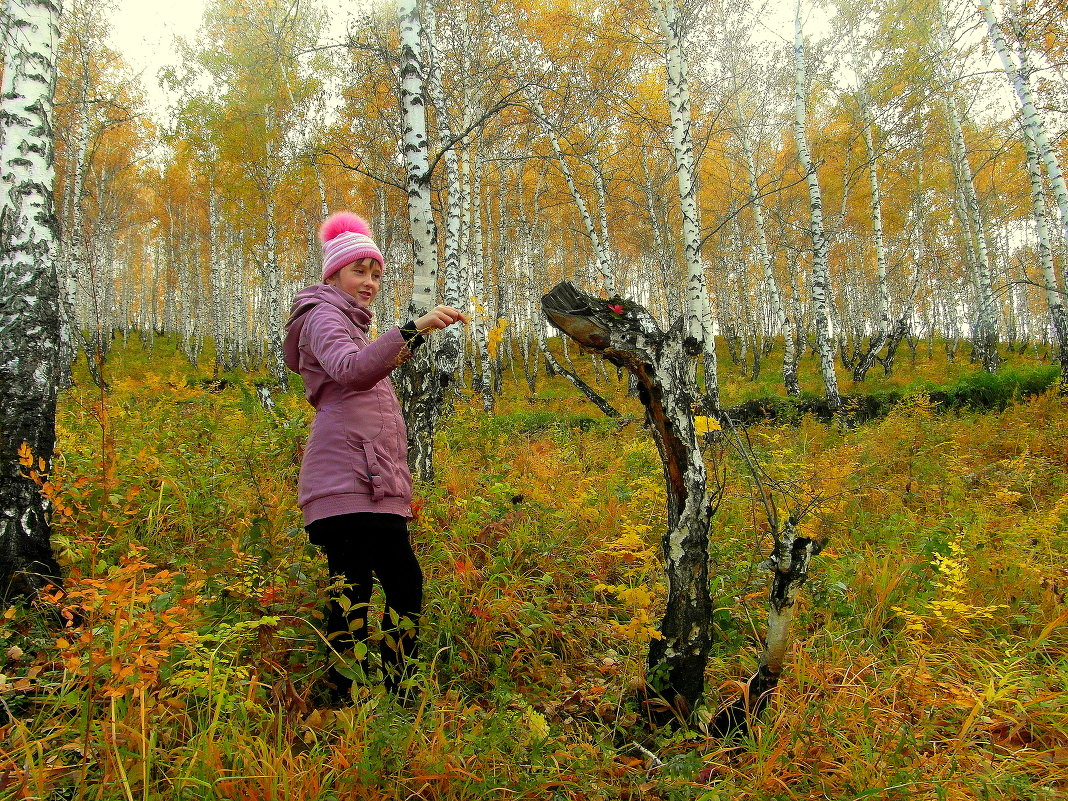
659,360
867,356
985,328
240,344
217,275
420,389
1033,125
451,346
157,286
820,267
192,334
29,294
272,273
699,315
877,229
781,324
504,306
73,264
416,149
170,288
788,564
985,334
663,255
604,256
1054,298
482,311
529,334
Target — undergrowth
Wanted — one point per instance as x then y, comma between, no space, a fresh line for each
930,658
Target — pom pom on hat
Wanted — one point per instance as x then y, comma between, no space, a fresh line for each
340,222
346,238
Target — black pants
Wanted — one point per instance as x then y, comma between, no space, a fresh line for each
359,547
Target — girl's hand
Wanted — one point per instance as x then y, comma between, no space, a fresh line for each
439,317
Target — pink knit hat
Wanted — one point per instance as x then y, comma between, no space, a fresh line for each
346,238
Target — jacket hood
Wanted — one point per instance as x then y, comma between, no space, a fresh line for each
310,298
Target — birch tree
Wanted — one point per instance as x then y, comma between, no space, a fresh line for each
451,347
1017,71
659,249
1054,296
482,312
418,377
881,326
1040,157
821,284
698,312
985,333
600,247
628,336
248,108
781,323
29,295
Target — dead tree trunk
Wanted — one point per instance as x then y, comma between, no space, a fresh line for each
628,336
788,564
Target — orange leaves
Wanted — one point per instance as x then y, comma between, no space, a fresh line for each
33,468
120,634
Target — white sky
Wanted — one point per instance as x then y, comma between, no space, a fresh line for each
144,32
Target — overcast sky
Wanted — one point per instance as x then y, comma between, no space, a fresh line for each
144,31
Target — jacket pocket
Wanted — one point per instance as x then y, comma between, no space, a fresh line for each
374,472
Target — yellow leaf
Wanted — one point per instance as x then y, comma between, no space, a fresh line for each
705,425
537,724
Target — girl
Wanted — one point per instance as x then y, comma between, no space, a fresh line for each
355,489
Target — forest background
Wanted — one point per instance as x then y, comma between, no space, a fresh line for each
931,655
561,164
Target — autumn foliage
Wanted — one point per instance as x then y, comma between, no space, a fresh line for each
188,649
183,658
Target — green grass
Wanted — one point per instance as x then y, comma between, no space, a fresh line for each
194,672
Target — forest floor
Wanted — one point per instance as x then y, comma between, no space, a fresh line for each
930,657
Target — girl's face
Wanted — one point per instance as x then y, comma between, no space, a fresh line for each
361,279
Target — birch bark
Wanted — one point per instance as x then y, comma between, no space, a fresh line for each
1018,73
882,325
820,266
780,320
272,273
700,331
478,292
788,564
29,295
451,342
660,362
1040,156
74,265
418,377
985,326
662,254
1054,299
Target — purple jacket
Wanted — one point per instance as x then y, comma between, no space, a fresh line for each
356,458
